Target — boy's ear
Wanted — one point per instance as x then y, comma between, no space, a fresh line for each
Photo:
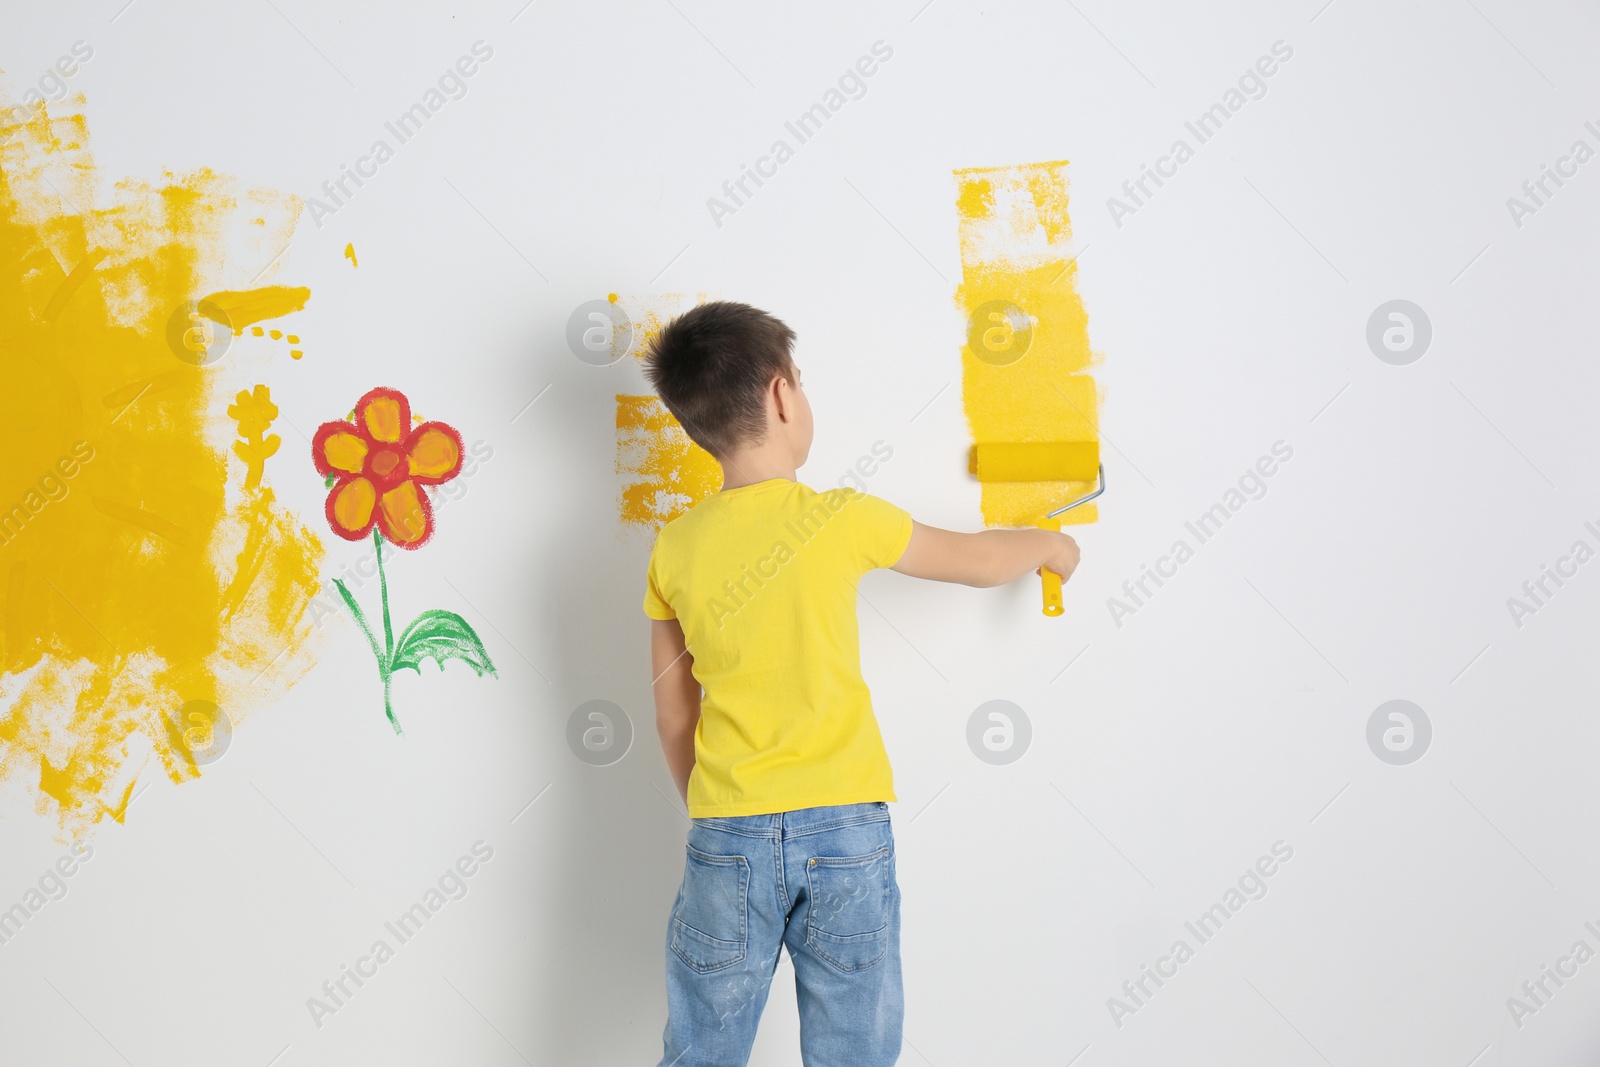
780,394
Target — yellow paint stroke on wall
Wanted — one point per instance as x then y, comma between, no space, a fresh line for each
1015,237
663,472
136,574
237,309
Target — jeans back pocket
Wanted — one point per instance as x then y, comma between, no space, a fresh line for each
709,930
847,920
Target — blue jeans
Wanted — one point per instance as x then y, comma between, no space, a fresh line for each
819,880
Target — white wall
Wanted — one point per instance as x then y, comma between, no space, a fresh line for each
1229,713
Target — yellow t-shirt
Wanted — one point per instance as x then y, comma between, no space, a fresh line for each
762,578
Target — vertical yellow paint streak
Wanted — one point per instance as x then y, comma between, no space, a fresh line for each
664,473
1015,232
135,574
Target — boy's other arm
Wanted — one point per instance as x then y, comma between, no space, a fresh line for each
989,558
677,699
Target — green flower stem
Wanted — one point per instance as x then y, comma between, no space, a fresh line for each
385,658
386,663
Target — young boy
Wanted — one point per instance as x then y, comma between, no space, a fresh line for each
753,597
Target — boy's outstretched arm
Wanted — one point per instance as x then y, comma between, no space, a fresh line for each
677,699
992,557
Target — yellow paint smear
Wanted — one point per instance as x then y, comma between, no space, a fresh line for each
246,307
135,573
663,473
1015,235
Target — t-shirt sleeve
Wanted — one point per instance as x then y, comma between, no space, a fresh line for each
655,603
882,530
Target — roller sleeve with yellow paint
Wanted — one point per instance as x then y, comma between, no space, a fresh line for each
1041,461
1035,461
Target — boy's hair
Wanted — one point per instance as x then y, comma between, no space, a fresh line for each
712,365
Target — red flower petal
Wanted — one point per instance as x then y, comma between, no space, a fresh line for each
404,515
384,415
342,461
433,453
351,508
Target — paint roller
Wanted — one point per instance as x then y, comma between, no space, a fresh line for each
1042,461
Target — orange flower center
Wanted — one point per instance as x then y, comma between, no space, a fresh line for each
384,462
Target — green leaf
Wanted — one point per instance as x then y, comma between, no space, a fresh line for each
440,635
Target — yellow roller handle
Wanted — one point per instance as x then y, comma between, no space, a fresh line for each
1052,593
1050,579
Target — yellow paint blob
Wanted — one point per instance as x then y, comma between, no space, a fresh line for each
350,254
1023,369
136,573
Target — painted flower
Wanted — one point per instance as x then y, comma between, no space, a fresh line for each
379,464
375,467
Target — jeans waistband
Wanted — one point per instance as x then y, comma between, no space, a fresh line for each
801,821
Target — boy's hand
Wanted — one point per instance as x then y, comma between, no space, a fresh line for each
1064,555
677,694
992,557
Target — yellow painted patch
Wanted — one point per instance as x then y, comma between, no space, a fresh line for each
1015,235
976,198
663,473
136,574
